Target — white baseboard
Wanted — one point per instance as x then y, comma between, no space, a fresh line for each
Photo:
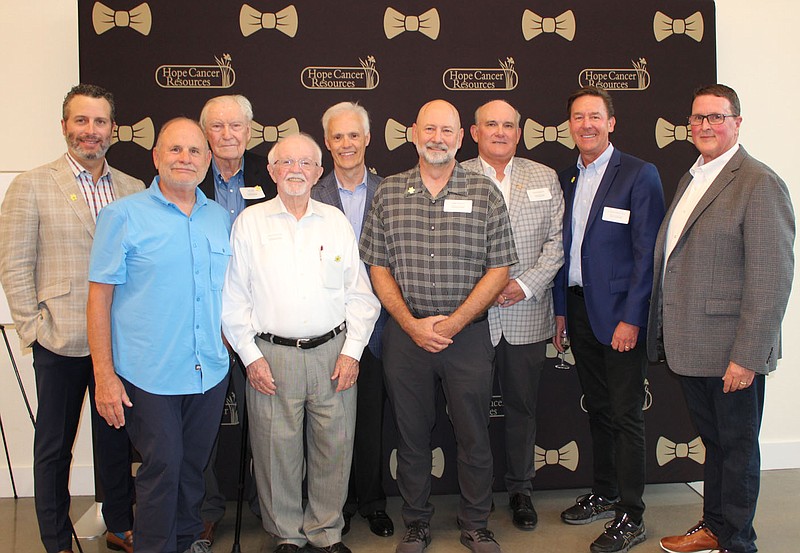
780,455
81,481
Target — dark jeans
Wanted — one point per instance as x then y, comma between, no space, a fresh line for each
61,384
413,375
519,368
365,492
613,388
729,425
174,435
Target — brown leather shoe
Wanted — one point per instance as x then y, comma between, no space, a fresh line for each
117,543
209,529
698,539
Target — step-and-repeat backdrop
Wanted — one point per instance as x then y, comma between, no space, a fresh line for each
293,59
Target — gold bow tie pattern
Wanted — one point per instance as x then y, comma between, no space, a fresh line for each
251,20
396,134
667,451
664,26
395,23
567,456
666,133
552,353
260,133
437,463
142,133
139,18
534,134
533,25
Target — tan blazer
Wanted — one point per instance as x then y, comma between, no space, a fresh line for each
46,233
537,236
723,292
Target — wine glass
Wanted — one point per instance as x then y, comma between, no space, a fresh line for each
564,340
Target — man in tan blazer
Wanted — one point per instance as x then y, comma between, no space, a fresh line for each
521,321
723,271
47,225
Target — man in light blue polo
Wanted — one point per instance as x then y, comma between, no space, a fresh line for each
155,295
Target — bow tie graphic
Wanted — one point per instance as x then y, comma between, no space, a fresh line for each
437,463
395,23
139,18
533,25
664,26
667,451
396,134
566,456
551,353
142,133
260,133
666,133
251,20
535,134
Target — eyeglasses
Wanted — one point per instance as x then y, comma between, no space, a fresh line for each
713,118
305,163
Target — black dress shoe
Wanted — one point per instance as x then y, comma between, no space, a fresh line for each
380,524
346,527
524,515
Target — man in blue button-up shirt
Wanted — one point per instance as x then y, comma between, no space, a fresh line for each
155,294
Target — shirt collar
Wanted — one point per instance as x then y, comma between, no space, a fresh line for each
489,171
77,168
363,180
275,206
155,192
218,175
716,164
600,162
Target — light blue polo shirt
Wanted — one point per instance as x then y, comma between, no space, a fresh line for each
168,270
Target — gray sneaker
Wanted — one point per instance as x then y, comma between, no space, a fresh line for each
480,541
588,508
417,538
200,546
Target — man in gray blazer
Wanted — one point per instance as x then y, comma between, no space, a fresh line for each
47,226
521,322
351,187
723,272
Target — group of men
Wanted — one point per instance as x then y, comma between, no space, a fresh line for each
336,292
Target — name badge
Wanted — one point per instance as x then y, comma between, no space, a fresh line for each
458,206
614,215
539,194
252,192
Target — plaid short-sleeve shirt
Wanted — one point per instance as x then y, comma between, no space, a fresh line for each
437,248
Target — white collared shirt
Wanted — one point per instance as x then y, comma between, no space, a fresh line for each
503,185
703,174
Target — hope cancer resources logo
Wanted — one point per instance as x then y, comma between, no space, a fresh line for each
221,75
637,78
477,78
365,77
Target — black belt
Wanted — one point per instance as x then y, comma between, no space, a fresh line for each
577,290
303,343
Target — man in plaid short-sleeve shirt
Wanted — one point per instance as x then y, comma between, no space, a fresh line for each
439,243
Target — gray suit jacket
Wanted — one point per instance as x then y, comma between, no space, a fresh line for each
537,235
727,281
326,191
46,233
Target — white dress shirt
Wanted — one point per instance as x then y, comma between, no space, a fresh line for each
295,279
703,174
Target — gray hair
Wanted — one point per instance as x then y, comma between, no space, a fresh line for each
344,107
272,156
244,105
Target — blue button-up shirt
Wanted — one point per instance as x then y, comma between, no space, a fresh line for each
168,269
353,203
229,194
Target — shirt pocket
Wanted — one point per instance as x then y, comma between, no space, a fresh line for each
331,271
220,254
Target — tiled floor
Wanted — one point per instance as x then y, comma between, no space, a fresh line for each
671,509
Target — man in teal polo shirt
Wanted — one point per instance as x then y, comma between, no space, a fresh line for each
155,293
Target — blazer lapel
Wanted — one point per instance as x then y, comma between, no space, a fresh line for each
608,177
65,180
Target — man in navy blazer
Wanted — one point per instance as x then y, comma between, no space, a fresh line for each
614,205
350,187
236,180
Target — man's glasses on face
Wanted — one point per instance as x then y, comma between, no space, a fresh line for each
696,119
305,164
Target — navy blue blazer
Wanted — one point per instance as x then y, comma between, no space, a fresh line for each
255,174
327,191
616,258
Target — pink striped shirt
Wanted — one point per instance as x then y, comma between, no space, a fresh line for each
98,195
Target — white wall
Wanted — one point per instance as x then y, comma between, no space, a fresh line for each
40,45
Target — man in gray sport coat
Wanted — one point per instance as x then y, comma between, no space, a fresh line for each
521,321
723,271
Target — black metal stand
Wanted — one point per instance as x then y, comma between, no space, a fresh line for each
33,422
236,548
